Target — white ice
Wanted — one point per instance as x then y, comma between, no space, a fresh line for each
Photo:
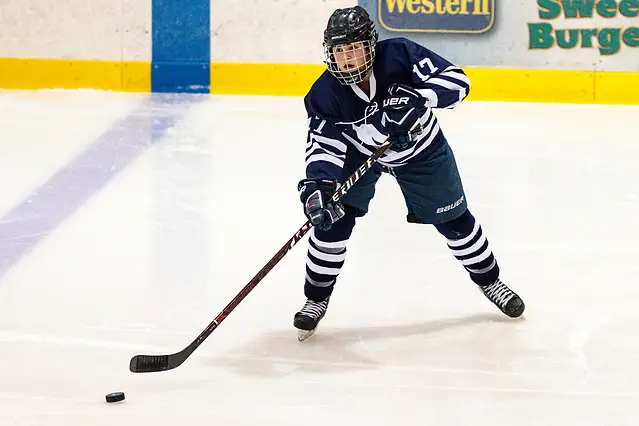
150,259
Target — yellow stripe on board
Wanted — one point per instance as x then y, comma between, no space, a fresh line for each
531,86
554,86
487,84
263,79
617,88
34,74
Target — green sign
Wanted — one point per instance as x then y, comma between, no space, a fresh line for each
609,40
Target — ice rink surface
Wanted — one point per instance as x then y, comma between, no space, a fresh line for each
127,223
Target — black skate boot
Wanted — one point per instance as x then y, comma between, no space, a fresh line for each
307,319
504,298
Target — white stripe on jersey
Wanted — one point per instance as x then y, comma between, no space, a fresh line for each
322,148
431,97
461,85
424,145
325,157
312,147
395,155
445,83
456,73
339,145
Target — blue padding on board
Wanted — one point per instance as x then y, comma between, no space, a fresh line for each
181,77
181,46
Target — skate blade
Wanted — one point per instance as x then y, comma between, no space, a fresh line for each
305,334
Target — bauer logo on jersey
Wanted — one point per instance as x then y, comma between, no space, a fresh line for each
437,16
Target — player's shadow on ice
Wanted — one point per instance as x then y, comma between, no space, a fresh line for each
333,350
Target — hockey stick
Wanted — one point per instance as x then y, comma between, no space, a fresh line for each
153,363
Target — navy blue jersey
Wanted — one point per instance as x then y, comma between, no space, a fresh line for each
340,115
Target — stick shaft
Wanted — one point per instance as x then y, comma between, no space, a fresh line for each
152,363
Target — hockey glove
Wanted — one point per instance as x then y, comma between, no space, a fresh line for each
402,115
316,195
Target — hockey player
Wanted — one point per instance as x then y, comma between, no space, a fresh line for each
369,93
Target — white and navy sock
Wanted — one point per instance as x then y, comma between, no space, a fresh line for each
469,245
325,257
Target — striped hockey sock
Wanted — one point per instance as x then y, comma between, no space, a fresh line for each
469,245
323,264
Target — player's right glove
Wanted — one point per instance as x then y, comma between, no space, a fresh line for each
318,207
402,115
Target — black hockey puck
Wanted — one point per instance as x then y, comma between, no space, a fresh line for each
115,397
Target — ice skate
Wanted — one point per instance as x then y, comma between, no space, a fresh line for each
504,298
307,319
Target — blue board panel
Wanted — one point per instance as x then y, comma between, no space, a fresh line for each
181,46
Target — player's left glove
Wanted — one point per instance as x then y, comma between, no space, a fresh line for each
318,207
401,115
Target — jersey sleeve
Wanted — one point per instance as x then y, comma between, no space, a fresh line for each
325,145
442,83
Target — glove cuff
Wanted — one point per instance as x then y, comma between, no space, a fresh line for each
306,187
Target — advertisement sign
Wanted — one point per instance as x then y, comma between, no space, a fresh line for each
437,16
583,16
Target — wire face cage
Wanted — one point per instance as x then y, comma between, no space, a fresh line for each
350,63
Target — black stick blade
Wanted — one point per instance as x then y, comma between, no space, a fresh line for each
149,363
